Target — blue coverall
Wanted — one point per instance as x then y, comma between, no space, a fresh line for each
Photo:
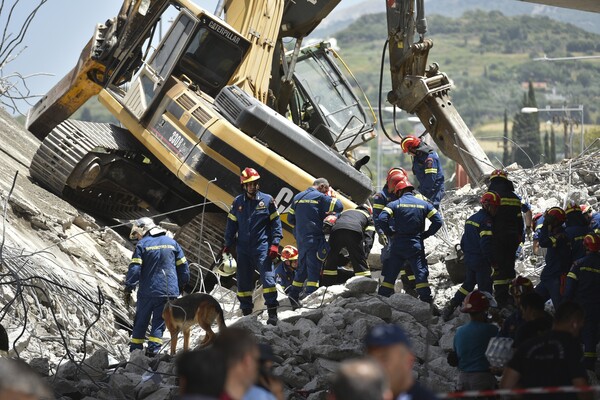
257,225
508,232
476,244
427,167
576,229
284,276
380,200
583,281
558,263
595,222
158,266
403,220
307,212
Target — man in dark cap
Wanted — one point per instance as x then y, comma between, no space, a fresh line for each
390,347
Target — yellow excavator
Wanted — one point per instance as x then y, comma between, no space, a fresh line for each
215,95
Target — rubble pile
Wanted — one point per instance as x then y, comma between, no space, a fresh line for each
62,272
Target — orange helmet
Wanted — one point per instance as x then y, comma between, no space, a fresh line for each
249,175
490,198
499,173
289,253
409,142
520,285
592,242
396,170
557,213
585,209
476,301
393,180
403,184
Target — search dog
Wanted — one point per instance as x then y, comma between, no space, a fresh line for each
183,313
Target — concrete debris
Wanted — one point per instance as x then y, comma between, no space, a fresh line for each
63,311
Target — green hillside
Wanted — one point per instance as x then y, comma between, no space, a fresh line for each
488,56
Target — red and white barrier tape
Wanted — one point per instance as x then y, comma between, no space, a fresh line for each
515,392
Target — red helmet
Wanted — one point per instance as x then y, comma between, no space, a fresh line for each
536,217
409,142
289,253
520,285
572,207
592,242
403,184
499,173
476,301
585,209
396,170
249,175
556,213
328,223
393,180
490,198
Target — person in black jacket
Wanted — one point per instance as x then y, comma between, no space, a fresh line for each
355,231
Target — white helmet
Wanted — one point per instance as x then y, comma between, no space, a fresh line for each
227,267
141,226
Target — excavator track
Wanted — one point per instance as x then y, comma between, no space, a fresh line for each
63,150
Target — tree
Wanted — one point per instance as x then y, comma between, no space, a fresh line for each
552,145
14,86
526,133
547,146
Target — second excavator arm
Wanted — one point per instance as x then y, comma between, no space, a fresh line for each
423,90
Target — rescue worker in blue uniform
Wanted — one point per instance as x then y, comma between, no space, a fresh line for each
380,200
254,219
476,244
507,234
558,255
285,271
353,230
158,266
307,212
427,167
403,220
576,229
583,281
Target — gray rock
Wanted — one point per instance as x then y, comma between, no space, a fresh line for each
408,304
305,327
361,284
161,394
322,395
138,362
292,375
65,387
40,365
122,382
96,365
151,382
373,306
67,370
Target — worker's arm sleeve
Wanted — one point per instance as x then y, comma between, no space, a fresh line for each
275,222
572,281
544,238
135,267
291,218
436,221
182,266
231,227
378,205
386,220
369,234
338,206
428,186
485,239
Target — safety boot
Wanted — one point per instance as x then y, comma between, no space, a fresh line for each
448,310
272,320
295,304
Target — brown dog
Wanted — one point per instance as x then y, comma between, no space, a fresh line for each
183,313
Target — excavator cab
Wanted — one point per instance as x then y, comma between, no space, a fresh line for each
325,104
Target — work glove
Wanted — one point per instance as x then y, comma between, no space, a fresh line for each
273,251
127,297
383,239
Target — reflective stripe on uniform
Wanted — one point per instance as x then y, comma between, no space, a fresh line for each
370,228
330,272
274,215
244,294
431,170
136,261
161,247
137,341
182,260
378,206
463,290
485,233
332,205
403,205
472,223
411,278
510,202
387,285
502,282
269,289
431,213
572,275
232,217
589,269
363,273
297,284
422,285
313,284
155,339
388,210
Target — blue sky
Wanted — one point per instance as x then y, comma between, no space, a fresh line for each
57,35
